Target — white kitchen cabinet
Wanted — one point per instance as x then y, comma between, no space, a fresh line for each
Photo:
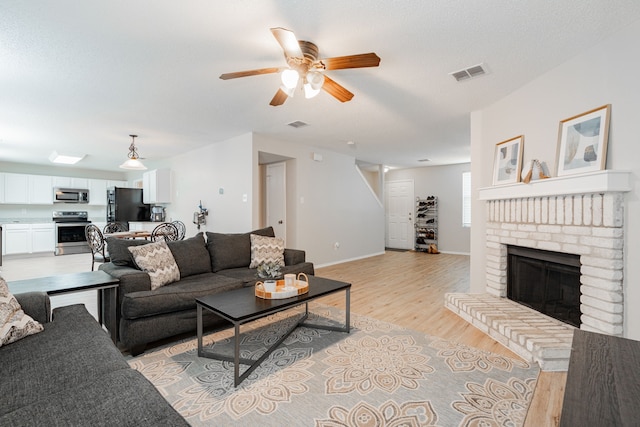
29,238
98,192
43,237
157,186
1,188
68,182
40,189
17,238
16,188
26,189
121,184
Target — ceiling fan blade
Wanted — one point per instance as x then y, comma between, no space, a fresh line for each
279,98
248,73
352,61
288,41
336,90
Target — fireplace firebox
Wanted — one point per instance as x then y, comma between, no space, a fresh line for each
546,281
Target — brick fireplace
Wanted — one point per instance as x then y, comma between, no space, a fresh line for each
579,214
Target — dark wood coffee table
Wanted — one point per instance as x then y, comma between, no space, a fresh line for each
242,306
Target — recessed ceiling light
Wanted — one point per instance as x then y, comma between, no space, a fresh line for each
65,159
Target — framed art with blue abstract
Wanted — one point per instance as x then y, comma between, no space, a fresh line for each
508,161
582,142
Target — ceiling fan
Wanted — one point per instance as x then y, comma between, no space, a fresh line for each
304,67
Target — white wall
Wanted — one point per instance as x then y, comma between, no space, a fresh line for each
602,74
199,175
329,203
445,182
338,205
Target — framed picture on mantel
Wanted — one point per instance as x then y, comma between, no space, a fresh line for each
507,162
582,142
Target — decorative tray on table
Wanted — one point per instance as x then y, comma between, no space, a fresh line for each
299,287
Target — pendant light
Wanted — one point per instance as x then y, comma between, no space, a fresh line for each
132,163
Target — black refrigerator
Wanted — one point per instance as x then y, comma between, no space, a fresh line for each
125,204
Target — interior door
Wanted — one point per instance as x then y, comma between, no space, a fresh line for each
276,190
400,201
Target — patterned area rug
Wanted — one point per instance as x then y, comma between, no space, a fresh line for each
379,374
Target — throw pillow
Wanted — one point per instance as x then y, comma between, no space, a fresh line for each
118,250
266,249
157,260
15,324
232,250
191,255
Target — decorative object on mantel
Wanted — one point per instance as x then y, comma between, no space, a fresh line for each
133,162
508,161
582,142
536,170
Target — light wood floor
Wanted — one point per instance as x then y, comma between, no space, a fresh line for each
408,288
405,288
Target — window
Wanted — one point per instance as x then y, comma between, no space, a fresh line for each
466,199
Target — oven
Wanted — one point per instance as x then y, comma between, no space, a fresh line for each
70,236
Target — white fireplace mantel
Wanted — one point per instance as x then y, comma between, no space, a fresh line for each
605,181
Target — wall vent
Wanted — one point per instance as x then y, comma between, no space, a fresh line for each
468,73
298,124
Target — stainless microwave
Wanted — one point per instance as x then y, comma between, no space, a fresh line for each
70,195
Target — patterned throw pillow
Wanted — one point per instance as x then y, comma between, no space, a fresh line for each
266,249
15,324
157,260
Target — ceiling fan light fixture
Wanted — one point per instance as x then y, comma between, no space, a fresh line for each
290,78
133,162
315,79
290,91
309,91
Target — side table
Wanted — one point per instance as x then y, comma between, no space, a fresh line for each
106,285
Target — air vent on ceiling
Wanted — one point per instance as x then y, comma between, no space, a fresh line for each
298,124
424,160
467,73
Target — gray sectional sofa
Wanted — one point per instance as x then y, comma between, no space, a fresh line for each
218,264
71,374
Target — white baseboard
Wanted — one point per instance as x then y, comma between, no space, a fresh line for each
342,261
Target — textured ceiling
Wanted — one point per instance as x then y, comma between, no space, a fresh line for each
81,76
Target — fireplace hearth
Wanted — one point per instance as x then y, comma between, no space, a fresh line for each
546,281
581,215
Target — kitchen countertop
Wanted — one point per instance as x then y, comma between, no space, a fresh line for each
4,221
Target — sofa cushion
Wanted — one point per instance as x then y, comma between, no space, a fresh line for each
15,324
157,260
72,350
118,252
176,296
266,249
191,255
119,398
232,250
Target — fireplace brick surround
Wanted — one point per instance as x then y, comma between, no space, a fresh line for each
582,215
